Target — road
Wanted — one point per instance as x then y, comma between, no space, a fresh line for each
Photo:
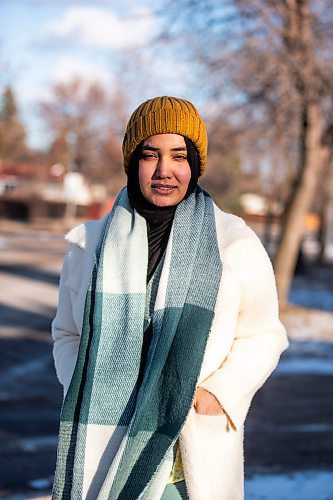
289,427
30,396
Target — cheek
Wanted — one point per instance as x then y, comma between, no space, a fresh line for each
184,177
144,175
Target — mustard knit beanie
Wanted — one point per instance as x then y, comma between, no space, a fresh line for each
165,115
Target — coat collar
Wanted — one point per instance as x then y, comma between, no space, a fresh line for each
229,227
86,233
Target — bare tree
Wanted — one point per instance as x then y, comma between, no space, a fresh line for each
85,125
268,64
299,31
222,177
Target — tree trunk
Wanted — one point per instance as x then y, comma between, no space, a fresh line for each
312,160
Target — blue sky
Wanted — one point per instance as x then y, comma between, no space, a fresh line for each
44,42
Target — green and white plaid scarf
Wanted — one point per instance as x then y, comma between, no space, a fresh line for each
115,438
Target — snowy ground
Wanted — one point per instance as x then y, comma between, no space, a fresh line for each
314,288
310,353
289,438
298,486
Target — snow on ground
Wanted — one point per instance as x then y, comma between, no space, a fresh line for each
297,486
309,485
310,330
305,366
307,357
313,290
311,316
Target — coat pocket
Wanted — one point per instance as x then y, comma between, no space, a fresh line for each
212,458
212,422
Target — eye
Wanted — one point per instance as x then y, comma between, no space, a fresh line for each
148,156
180,157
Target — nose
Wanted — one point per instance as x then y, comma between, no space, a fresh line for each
163,168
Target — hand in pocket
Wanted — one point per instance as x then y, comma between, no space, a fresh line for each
205,403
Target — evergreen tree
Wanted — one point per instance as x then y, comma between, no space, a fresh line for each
13,146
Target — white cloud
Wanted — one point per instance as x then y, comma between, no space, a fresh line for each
32,93
100,28
65,69
68,68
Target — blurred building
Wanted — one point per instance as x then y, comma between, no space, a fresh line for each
265,217
30,191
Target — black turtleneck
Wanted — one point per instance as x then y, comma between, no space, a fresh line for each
159,219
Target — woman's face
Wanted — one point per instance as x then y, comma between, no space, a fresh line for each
164,172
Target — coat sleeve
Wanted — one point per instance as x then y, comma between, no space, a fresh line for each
260,338
64,331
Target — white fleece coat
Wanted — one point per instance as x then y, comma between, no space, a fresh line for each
243,349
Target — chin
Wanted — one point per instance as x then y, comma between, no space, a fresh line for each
164,202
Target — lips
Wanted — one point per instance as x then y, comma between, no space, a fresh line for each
163,189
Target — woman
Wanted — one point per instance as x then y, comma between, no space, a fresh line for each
167,325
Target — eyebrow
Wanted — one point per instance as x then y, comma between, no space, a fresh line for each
152,148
